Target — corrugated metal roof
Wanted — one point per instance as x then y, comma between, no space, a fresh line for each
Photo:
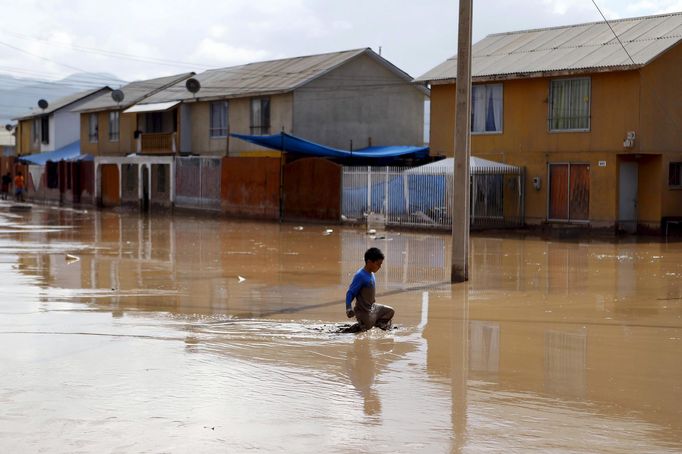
579,47
60,103
261,78
133,92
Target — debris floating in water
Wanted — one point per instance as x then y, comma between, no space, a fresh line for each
71,259
327,232
241,279
298,227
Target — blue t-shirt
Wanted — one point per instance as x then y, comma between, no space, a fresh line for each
362,287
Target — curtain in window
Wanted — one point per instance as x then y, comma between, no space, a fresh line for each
114,125
260,116
218,119
486,108
478,107
36,130
570,104
92,130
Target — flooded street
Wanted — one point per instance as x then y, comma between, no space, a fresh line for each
125,333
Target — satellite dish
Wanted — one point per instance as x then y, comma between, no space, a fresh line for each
9,127
192,85
117,95
42,104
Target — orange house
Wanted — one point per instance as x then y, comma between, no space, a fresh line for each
591,111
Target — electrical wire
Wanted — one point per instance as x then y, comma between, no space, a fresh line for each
614,33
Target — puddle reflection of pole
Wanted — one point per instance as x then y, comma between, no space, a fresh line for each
460,366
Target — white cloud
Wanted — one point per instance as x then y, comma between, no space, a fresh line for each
222,54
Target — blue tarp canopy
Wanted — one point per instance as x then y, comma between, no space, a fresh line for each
292,144
70,152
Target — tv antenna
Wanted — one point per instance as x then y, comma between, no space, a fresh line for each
193,86
42,104
117,95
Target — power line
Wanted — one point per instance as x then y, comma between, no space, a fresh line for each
109,53
614,33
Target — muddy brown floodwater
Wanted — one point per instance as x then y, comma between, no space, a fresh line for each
128,333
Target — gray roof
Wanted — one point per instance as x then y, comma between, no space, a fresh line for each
63,102
574,48
134,92
265,78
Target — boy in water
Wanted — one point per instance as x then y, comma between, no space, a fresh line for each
362,289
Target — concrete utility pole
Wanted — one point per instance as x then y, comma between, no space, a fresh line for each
460,203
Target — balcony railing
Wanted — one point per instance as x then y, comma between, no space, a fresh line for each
157,143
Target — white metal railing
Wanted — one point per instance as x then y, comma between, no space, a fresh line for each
422,197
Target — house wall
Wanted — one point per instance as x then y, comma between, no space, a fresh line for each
526,139
239,121
660,130
361,101
24,143
105,147
64,129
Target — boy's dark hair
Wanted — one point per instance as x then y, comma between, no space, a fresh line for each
373,254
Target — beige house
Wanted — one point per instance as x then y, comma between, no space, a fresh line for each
343,99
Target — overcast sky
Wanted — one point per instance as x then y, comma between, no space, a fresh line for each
134,40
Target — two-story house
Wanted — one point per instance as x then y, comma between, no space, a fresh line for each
349,99
51,134
591,110
345,99
120,138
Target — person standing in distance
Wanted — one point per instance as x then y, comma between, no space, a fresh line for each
363,289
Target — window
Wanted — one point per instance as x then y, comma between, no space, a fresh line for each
36,130
93,128
218,126
675,174
45,129
114,126
260,116
569,105
569,192
486,108
153,122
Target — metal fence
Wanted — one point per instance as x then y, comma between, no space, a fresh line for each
422,196
198,182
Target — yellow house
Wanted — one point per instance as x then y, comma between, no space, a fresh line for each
131,146
591,111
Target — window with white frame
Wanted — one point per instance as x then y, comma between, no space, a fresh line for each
569,104
114,126
486,108
260,116
36,130
93,128
675,174
219,113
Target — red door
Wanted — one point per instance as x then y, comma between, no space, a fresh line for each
569,192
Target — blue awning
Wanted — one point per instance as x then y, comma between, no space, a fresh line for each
292,144
70,152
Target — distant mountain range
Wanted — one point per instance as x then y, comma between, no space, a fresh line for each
18,96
